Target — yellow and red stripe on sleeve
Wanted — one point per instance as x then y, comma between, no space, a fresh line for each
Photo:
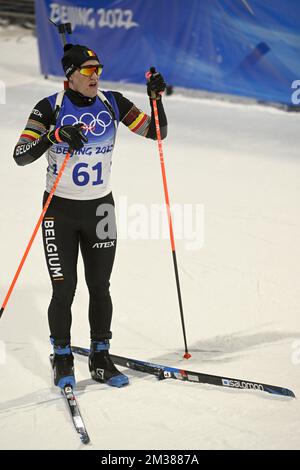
137,121
28,134
140,125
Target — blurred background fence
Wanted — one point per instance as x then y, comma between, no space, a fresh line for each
17,11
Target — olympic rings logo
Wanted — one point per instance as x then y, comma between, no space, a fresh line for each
95,125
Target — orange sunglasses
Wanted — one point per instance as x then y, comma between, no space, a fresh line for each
88,70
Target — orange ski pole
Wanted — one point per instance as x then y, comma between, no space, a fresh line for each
187,355
35,232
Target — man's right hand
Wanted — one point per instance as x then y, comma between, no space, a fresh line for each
72,135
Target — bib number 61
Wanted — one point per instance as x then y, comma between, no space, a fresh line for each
81,177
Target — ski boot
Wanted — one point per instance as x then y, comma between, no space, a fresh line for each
62,362
102,368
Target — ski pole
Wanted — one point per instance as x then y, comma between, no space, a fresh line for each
187,355
62,29
35,232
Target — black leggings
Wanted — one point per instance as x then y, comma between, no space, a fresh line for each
67,225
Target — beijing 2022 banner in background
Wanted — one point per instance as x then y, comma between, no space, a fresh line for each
244,47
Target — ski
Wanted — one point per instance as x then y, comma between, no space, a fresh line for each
167,372
69,395
70,399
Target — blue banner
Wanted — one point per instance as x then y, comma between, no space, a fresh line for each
244,47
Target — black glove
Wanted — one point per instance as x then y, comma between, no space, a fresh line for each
156,84
72,135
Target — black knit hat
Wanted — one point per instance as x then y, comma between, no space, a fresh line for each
75,56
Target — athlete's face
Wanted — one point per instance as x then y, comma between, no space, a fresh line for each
87,85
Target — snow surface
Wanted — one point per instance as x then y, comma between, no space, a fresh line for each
240,290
